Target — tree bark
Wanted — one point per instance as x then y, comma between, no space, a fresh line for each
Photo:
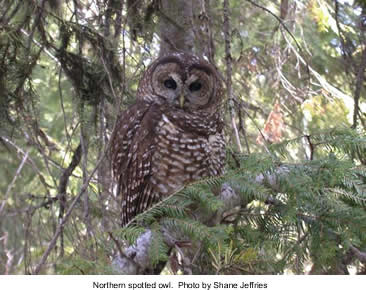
175,25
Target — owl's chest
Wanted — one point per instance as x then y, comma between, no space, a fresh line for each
182,157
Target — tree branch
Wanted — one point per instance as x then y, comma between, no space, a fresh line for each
10,186
63,185
136,258
60,226
360,255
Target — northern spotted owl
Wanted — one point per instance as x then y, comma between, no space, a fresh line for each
172,135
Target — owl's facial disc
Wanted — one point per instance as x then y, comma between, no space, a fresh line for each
188,88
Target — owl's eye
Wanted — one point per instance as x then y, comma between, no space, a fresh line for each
170,84
196,86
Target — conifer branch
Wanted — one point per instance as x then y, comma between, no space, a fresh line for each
136,258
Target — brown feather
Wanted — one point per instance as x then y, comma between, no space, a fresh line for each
157,147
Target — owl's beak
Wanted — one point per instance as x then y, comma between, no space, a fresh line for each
181,100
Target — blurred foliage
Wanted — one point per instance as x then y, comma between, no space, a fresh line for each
68,68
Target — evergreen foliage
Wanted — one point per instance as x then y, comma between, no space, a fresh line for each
68,68
312,213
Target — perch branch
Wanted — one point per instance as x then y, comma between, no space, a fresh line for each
360,255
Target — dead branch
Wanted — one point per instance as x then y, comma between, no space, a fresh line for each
62,188
62,223
10,186
29,160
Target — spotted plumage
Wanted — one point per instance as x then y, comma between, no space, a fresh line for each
171,136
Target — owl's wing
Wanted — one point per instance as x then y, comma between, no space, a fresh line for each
133,144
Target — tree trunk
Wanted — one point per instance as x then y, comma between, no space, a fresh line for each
175,25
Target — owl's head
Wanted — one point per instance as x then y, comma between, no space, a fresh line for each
183,82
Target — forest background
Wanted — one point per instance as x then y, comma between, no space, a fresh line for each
294,72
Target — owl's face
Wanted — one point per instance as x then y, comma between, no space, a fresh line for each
182,81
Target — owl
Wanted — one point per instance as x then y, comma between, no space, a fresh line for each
172,135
